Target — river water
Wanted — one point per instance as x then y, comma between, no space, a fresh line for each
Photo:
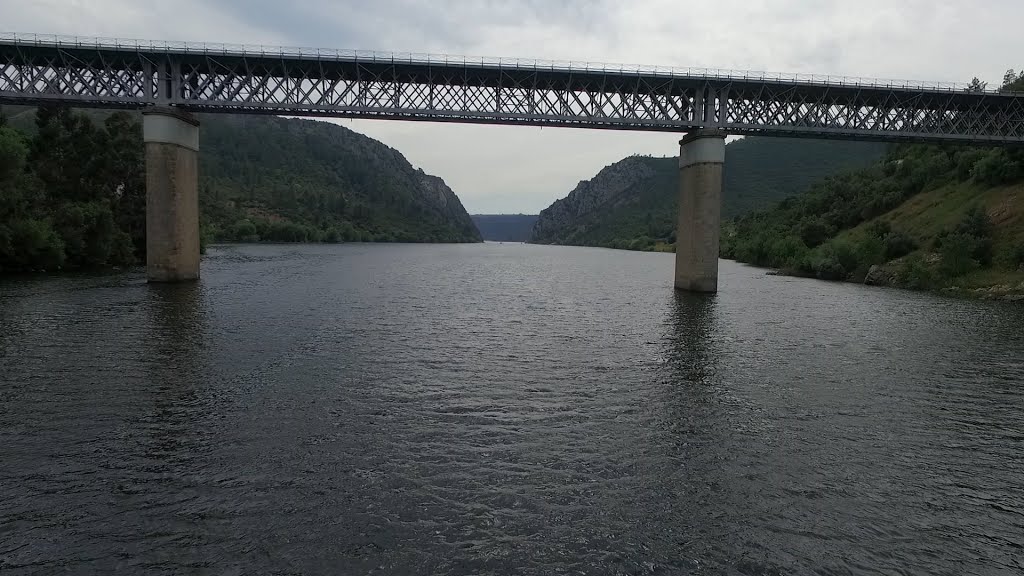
503,409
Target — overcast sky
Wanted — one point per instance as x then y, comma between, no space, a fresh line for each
500,169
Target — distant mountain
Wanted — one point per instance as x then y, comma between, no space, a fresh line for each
505,227
632,203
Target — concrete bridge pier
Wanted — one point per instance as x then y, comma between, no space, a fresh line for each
171,138
701,160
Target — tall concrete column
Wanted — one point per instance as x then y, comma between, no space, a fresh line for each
172,195
701,160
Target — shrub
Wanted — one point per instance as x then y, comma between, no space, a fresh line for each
348,233
244,231
755,249
314,234
786,252
975,222
1017,255
828,267
973,233
847,256
917,274
640,243
898,244
123,250
332,235
995,168
958,254
836,260
287,232
871,250
965,162
814,231
879,228
34,243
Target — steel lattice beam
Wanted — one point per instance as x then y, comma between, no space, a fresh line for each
350,84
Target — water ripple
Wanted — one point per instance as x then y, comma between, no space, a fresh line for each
503,409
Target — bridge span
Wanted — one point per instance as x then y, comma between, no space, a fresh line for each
170,81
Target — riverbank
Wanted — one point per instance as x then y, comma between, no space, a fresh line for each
904,274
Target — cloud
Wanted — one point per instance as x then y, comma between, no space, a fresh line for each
519,169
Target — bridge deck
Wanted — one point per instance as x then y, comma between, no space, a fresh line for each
310,82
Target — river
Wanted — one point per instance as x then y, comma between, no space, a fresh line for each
503,409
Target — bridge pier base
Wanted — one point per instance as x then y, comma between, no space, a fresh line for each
172,195
698,224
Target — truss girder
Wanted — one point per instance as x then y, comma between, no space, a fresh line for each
505,95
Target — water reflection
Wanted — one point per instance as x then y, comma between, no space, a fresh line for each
173,379
176,329
691,337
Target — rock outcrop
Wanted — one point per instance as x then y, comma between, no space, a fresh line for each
558,223
881,275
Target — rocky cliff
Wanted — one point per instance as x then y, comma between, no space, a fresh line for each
567,218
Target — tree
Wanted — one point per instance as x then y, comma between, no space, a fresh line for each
125,181
1017,255
13,154
813,231
957,250
898,244
1013,81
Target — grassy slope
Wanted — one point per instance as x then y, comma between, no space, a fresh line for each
927,214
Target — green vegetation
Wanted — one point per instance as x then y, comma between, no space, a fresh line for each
71,195
926,217
641,214
289,180
72,189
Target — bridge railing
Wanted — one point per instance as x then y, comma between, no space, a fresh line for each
242,50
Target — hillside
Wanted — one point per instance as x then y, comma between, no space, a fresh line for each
632,203
278,172
925,217
505,227
72,191
266,169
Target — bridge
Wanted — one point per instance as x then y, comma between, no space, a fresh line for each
170,81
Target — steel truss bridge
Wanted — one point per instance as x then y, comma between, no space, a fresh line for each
223,78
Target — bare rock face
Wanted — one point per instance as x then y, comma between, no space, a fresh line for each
589,196
437,192
880,275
